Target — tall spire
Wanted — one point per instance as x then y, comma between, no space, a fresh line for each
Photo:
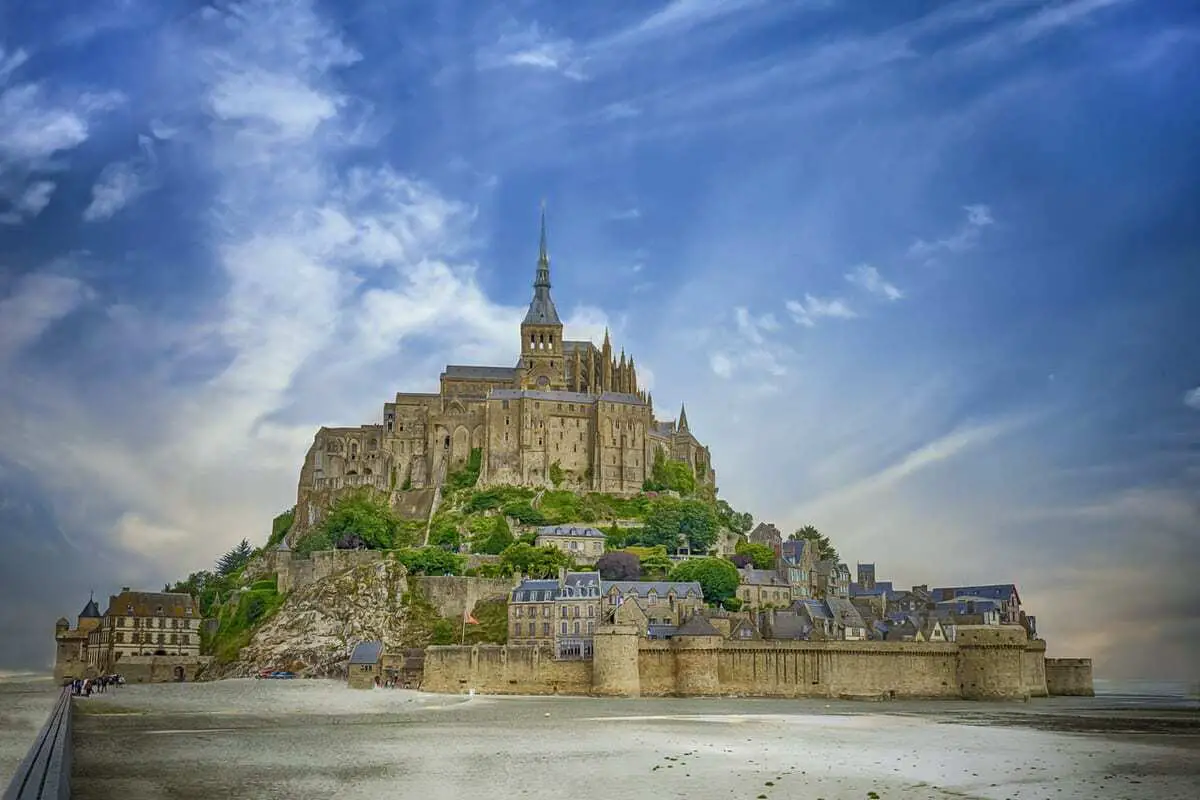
682,425
541,307
543,262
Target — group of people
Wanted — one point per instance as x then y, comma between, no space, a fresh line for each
83,687
389,682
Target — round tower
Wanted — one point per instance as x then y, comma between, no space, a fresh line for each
62,625
989,662
696,645
615,661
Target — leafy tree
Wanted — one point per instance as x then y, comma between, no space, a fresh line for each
557,476
739,523
669,519
444,533
495,541
280,527
732,604
363,514
235,559
536,562
717,577
524,512
825,548
761,556
619,566
654,561
430,561
670,474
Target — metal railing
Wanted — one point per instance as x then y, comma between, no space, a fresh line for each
45,772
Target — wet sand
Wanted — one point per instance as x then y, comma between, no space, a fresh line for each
302,739
24,708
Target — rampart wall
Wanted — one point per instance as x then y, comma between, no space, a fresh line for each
160,669
503,669
1069,676
453,595
986,664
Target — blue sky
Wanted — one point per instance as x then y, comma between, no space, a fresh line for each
925,273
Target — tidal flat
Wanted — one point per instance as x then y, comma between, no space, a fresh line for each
317,739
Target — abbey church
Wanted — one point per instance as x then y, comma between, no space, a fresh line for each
567,413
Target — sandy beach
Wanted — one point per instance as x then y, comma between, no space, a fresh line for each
24,706
302,739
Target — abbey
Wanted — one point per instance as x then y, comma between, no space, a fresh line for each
567,413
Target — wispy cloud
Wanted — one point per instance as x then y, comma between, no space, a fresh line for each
810,310
121,183
752,351
35,304
868,278
535,49
1191,399
627,214
32,200
966,237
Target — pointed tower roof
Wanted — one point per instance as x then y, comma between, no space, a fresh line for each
606,344
541,307
682,425
91,610
622,356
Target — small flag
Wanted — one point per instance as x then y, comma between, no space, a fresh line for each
469,619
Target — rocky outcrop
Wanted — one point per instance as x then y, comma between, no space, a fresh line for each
318,625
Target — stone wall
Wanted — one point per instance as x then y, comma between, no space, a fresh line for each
1069,676
501,669
699,666
453,595
160,669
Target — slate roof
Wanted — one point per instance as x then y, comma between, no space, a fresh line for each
697,625
367,653
995,591
535,591
147,604
845,613
816,609
551,396
880,588
759,577
981,603
570,530
661,588
91,610
787,625
621,397
581,584
467,372
792,551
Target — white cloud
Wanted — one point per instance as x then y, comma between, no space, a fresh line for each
121,183
868,278
31,202
1191,399
721,364
534,49
811,309
966,237
37,302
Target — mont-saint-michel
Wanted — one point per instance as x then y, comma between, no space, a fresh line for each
536,529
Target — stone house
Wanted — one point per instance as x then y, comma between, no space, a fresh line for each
848,623
795,562
366,665
765,533
145,624
1005,595
559,613
763,588
831,579
664,604
583,544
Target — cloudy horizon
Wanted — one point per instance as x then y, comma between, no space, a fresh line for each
925,276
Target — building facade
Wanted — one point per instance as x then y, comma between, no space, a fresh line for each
583,544
568,413
558,613
145,624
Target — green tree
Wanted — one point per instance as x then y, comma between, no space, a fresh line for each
524,512
235,559
761,556
536,562
280,527
430,561
825,549
670,519
670,474
495,541
717,577
739,523
364,515
468,475
557,476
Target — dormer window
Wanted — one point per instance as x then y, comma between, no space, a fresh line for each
129,610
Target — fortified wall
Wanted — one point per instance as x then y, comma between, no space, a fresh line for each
1070,676
986,663
451,595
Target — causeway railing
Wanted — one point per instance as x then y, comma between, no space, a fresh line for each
45,772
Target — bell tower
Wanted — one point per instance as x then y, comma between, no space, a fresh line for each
543,361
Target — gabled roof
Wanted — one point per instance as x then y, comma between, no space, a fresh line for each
367,653
759,577
535,591
660,588
787,625
845,613
570,530
995,591
816,609
697,625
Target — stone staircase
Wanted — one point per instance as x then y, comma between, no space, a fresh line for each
437,498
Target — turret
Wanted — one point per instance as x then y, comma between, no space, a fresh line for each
682,425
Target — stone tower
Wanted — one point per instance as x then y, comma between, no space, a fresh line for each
543,361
